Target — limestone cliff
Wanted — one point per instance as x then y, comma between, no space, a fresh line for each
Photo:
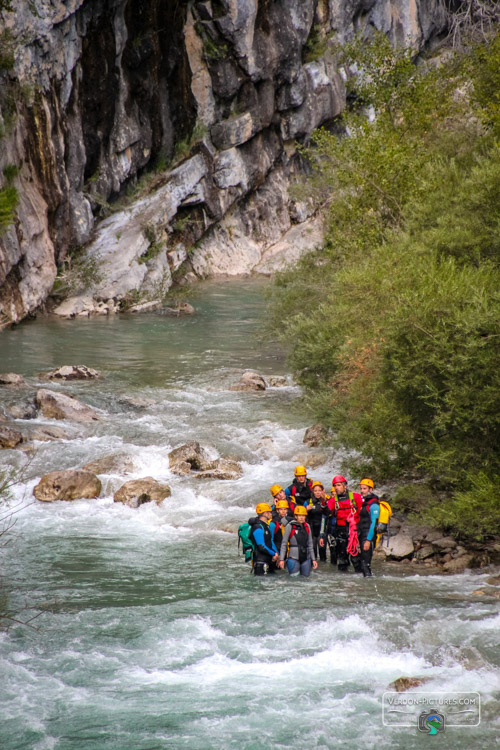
214,95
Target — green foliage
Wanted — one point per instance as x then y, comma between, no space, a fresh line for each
6,49
474,513
156,244
393,325
9,199
316,45
77,273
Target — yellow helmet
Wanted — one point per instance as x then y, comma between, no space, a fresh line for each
368,482
262,507
275,489
281,504
299,510
300,471
317,484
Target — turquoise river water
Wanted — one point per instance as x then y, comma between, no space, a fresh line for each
152,632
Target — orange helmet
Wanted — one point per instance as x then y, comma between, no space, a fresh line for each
368,482
299,510
262,508
275,489
317,484
281,504
300,471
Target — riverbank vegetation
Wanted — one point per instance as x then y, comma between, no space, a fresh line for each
393,326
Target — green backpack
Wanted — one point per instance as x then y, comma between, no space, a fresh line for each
247,543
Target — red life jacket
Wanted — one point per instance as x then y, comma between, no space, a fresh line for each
294,529
342,509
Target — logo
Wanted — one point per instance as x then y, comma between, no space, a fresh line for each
431,722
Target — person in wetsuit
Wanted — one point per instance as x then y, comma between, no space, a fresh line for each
343,506
297,545
265,554
316,509
367,525
281,514
299,492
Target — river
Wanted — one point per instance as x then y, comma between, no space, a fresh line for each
152,632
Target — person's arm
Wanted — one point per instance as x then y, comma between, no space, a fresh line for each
284,541
258,535
310,546
374,514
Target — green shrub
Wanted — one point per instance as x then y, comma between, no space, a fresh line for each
392,326
473,513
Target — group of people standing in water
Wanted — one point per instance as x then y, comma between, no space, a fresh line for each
303,523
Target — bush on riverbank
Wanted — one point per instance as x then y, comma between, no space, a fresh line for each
393,326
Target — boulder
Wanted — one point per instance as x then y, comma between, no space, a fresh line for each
432,535
74,484
250,381
407,683
9,438
116,463
72,372
60,406
225,469
140,491
400,546
459,564
445,543
190,454
22,411
315,435
11,378
424,552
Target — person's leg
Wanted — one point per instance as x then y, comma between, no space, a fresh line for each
293,567
258,569
342,556
305,568
366,559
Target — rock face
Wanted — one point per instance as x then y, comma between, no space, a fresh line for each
55,405
250,381
140,491
67,485
73,372
220,90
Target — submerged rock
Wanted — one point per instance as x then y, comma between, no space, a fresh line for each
60,406
277,381
184,308
315,435
137,402
45,434
116,463
73,372
11,378
140,491
74,484
459,564
250,381
407,683
225,469
22,411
